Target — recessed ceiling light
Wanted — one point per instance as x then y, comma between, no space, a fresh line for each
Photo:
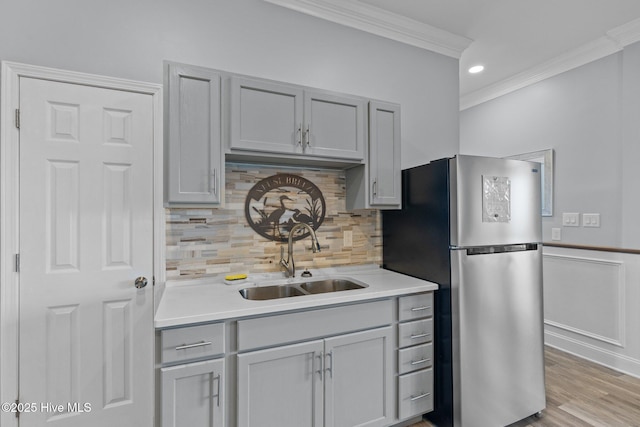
476,69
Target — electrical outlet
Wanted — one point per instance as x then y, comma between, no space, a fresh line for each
347,238
591,220
556,234
571,219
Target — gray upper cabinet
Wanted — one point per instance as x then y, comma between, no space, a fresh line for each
194,169
377,184
384,154
334,125
269,118
265,116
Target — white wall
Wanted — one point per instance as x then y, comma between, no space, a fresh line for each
130,39
580,115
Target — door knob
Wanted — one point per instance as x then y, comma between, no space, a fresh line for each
140,282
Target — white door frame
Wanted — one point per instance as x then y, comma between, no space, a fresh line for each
10,212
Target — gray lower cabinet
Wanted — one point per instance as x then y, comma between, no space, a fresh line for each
269,118
338,381
192,394
194,171
415,355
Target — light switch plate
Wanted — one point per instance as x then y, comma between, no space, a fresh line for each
571,219
591,220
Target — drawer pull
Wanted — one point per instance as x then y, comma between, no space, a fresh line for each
415,337
199,344
418,362
424,307
420,396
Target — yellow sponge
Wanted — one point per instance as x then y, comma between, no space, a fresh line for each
232,277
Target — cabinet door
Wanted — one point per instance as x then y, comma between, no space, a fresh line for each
358,379
281,386
334,126
192,394
265,116
384,154
195,163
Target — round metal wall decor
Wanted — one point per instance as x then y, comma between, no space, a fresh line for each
277,203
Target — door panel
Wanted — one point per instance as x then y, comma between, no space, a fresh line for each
358,379
497,315
281,386
510,214
86,224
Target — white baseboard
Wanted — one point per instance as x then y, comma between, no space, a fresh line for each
618,362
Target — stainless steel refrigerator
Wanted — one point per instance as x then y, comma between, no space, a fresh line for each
473,225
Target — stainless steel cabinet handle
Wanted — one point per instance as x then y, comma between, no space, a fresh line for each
217,395
374,188
424,307
300,134
418,362
140,282
330,368
420,396
321,369
199,344
308,134
415,337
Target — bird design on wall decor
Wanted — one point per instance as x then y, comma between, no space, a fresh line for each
277,203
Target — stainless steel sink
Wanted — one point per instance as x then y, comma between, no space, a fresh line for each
270,292
330,285
298,289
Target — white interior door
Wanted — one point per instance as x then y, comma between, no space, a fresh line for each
86,232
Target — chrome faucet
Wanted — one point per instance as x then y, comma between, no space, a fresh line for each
289,265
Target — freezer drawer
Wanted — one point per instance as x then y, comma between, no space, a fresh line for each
497,322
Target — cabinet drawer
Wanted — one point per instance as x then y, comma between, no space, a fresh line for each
414,358
415,306
416,332
192,342
415,393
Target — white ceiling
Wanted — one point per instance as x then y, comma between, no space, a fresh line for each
518,41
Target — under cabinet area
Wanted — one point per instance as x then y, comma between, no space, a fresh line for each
277,118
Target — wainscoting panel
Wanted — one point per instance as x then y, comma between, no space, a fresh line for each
591,303
585,296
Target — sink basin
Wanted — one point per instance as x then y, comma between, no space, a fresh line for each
330,285
297,289
270,292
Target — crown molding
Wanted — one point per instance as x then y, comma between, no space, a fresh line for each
380,22
614,41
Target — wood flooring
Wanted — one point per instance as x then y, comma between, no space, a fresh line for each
584,394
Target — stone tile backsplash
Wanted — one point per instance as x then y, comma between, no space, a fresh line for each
213,241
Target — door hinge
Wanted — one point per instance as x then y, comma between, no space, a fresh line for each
17,118
17,263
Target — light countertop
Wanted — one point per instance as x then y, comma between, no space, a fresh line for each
206,300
